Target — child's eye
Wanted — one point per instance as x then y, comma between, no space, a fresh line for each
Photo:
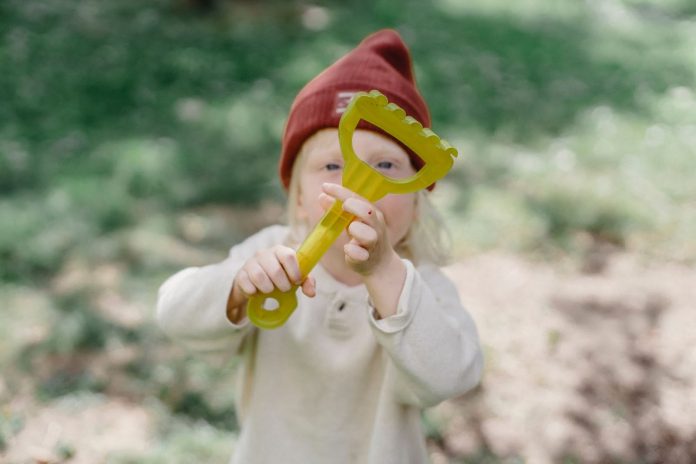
332,166
385,165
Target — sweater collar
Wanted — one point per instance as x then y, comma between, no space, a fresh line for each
328,285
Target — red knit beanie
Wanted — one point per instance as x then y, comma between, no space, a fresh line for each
381,61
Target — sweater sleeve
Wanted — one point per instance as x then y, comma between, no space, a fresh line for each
191,304
432,340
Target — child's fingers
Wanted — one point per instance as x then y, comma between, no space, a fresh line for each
355,253
326,201
340,192
363,210
259,277
244,283
288,259
363,234
355,204
273,269
309,287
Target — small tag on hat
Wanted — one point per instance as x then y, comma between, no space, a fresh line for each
342,101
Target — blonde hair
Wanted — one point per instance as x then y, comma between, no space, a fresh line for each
427,241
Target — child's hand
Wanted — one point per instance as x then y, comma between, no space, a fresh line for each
275,267
369,248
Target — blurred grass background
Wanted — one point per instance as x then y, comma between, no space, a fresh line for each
139,138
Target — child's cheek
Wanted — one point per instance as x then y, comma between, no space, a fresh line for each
398,211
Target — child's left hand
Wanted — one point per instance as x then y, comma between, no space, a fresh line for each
369,248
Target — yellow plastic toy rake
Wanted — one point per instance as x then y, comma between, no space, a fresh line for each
362,179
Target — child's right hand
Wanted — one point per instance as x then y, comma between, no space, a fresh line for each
276,267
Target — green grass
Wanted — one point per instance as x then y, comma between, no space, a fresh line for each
614,177
113,112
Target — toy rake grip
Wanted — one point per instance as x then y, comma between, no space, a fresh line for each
310,252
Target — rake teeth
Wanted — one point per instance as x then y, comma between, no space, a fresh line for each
431,136
412,122
413,125
397,110
379,98
449,149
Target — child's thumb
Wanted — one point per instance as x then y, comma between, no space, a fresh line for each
326,201
309,287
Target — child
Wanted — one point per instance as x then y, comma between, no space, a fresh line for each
379,332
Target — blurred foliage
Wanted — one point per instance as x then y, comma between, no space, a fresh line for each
111,111
124,126
182,443
9,425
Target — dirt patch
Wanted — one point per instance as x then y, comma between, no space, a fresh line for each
596,367
585,367
79,430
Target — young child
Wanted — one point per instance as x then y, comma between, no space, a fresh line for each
379,332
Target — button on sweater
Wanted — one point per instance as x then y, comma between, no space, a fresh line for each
334,384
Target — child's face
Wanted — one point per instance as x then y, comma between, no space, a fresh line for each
324,163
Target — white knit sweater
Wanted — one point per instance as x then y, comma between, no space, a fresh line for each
333,385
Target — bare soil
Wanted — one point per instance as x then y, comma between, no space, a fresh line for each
592,367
